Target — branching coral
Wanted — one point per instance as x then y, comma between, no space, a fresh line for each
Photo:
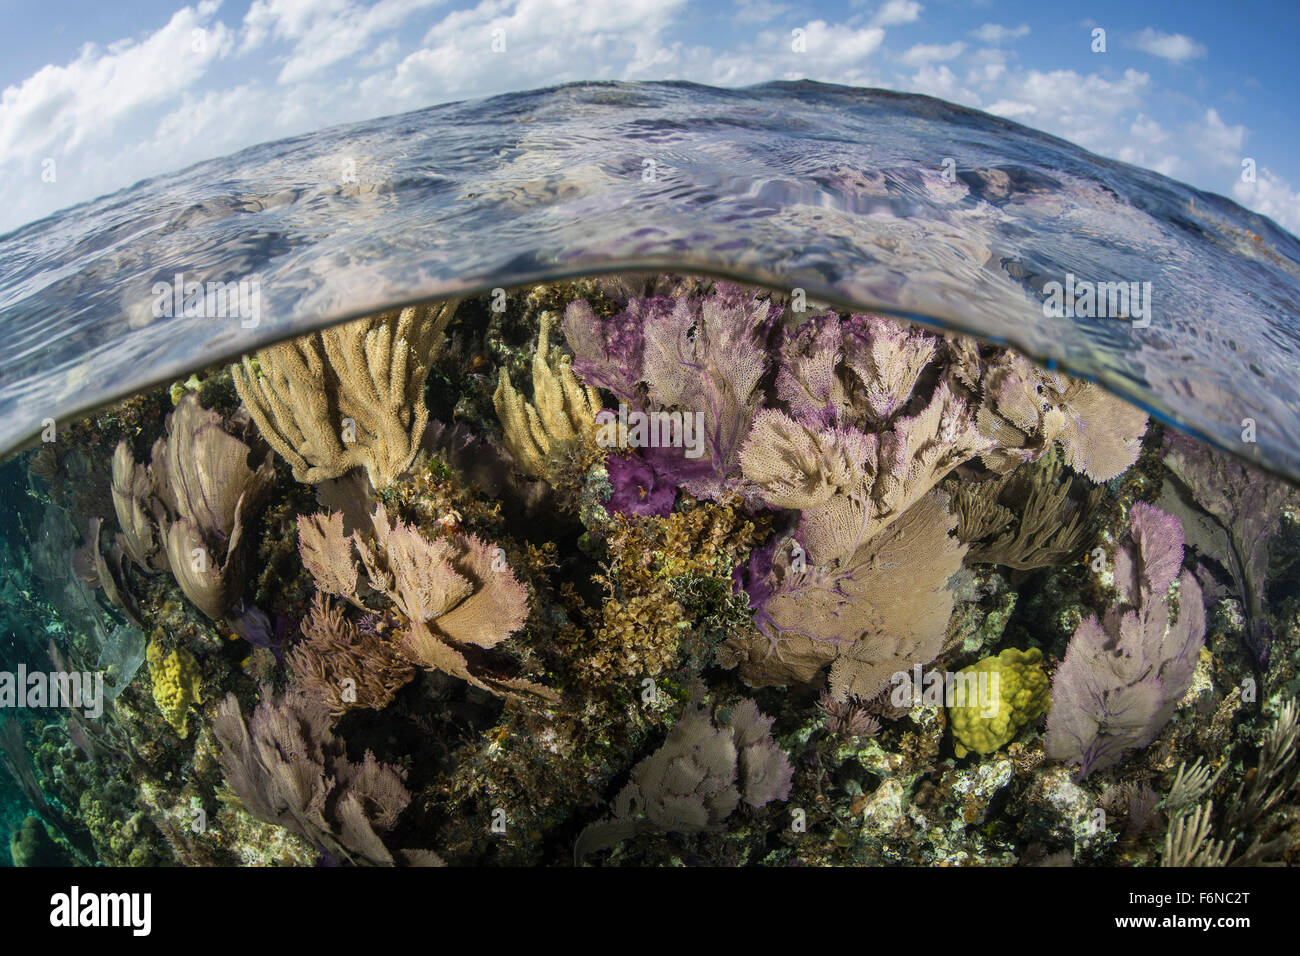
1123,675
1276,774
343,665
562,410
1191,838
346,397
700,775
185,511
1046,528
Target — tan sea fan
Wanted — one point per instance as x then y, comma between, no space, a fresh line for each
447,593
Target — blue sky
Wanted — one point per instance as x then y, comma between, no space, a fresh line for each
99,95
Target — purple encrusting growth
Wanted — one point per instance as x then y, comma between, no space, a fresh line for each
254,626
755,578
638,489
1123,676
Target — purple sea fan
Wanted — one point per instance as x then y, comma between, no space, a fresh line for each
698,778
1123,675
858,371
695,356
806,379
707,358
765,773
1230,513
607,352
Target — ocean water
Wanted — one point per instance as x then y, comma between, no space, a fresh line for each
898,225
863,197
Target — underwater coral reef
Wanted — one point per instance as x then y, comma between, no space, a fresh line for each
647,570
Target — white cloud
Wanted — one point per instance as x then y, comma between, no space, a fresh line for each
924,53
1148,144
895,12
1218,142
941,82
122,111
1011,109
841,45
996,33
381,55
542,43
58,109
1083,108
1169,46
322,32
1271,195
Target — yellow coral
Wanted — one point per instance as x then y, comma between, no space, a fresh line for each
176,680
562,410
1022,693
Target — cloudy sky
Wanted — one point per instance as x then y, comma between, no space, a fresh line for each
99,95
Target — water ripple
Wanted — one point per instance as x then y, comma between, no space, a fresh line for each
861,197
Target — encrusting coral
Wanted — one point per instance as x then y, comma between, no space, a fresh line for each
669,588
346,397
561,411
176,684
1022,696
